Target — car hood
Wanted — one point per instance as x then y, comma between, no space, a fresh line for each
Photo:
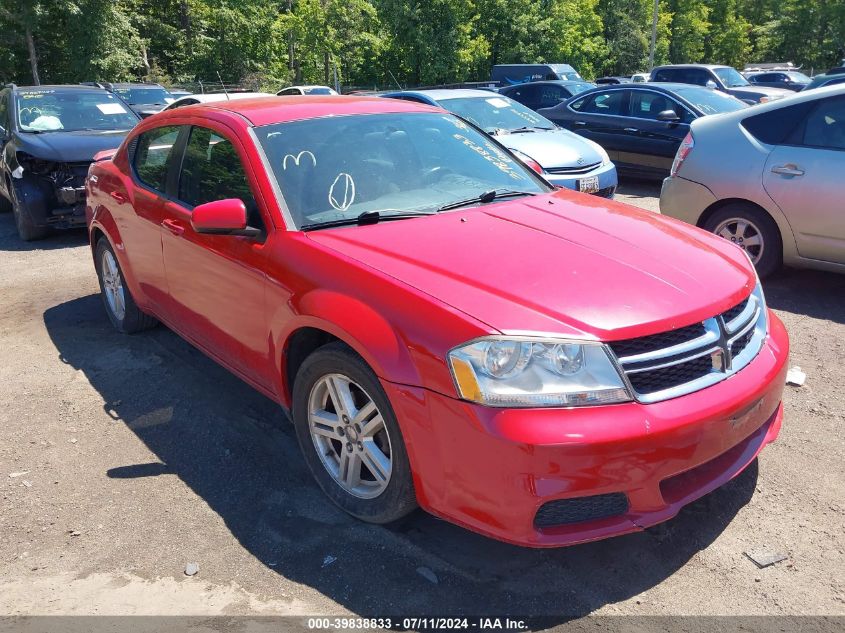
564,263
553,148
68,147
763,90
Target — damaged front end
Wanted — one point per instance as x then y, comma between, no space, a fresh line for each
54,192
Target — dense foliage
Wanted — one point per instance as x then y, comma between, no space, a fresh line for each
270,43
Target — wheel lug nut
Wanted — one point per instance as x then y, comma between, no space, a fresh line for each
360,446
340,431
345,419
349,447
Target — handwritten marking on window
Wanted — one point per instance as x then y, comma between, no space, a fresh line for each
297,158
342,192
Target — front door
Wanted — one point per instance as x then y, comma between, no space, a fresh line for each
216,282
804,178
652,144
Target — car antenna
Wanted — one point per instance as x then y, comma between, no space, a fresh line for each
222,85
395,80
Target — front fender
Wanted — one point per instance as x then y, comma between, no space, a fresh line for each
351,321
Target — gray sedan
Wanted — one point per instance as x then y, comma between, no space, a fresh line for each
769,179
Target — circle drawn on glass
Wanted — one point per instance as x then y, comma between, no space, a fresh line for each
342,192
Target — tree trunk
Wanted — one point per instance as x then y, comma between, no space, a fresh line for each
33,58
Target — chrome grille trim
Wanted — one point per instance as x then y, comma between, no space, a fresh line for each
717,342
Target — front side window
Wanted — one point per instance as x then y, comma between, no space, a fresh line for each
710,101
496,113
145,96
825,126
212,170
152,155
51,110
647,105
336,168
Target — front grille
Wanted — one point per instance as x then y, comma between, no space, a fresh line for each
671,376
654,342
580,169
568,511
674,363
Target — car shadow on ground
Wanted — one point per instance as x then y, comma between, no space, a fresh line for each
235,449
814,293
638,187
11,241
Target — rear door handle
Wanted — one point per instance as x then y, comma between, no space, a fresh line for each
788,170
173,226
632,130
579,123
118,197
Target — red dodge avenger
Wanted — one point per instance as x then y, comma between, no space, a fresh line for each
445,329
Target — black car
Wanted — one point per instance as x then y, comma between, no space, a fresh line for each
144,99
48,138
640,125
612,81
789,79
545,94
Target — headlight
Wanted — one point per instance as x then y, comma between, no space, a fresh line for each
529,372
605,159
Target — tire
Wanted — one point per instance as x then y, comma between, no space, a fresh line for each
120,307
369,496
27,229
767,250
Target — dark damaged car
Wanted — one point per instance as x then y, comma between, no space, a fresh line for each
49,136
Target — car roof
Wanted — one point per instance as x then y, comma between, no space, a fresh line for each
711,66
548,82
268,110
660,86
130,84
62,87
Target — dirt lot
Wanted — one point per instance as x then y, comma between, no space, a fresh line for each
122,459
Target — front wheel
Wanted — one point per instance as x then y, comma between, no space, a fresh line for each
121,308
751,229
350,438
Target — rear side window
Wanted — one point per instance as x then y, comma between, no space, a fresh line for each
550,96
825,126
611,102
152,155
776,126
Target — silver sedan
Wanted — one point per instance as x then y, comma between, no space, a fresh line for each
770,179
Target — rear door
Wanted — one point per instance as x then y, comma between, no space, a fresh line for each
804,177
652,144
216,282
527,95
600,116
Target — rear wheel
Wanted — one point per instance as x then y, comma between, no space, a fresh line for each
751,229
121,308
350,438
27,229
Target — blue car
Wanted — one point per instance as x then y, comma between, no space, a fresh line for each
562,157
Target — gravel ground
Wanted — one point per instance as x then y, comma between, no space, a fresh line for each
122,459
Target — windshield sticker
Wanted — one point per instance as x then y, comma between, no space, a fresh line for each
498,159
498,102
35,95
111,108
342,192
297,158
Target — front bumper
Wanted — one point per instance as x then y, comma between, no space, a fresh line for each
606,174
684,199
491,470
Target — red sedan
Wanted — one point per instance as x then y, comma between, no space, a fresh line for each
445,329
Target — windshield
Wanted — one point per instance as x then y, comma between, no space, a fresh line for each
731,77
492,114
581,86
336,168
797,77
319,90
71,111
137,96
710,101
570,76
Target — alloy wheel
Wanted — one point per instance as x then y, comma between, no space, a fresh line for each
349,434
744,234
113,285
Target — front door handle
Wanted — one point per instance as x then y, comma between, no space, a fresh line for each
789,169
631,130
118,197
579,123
173,226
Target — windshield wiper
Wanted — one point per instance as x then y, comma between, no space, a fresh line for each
487,196
528,128
367,217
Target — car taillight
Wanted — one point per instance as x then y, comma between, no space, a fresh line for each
683,151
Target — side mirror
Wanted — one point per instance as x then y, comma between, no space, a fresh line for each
668,116
711,84
222,217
